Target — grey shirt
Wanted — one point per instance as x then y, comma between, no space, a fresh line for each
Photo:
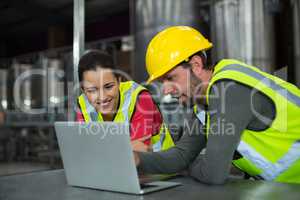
233,107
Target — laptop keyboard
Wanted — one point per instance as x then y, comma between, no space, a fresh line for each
145,186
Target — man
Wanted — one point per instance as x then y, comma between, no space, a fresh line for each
252,117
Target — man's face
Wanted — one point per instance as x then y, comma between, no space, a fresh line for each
180,83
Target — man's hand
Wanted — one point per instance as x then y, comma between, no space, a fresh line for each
138,144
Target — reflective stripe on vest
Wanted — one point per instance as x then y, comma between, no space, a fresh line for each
127,101
90,109
270,170
158,144
268,82
201,116
163,140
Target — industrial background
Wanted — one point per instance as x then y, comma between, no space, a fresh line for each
41,35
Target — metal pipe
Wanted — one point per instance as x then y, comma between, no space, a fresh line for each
244,30
78,49
22,93
3,89
55,86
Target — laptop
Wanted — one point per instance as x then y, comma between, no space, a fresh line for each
99,155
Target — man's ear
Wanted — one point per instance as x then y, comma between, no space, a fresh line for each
197,65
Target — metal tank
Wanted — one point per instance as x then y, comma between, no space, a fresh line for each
148,17
22,92
38,78
55,84
39,88
296,24
244,30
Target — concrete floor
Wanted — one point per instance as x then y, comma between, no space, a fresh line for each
21,167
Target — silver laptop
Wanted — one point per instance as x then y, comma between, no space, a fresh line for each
99,155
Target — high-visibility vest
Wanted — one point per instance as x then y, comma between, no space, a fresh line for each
272,154
129,92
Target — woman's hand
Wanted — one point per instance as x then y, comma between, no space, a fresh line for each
138,144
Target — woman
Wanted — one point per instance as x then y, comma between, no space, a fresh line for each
105,98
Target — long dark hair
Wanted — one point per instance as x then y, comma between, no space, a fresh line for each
93,59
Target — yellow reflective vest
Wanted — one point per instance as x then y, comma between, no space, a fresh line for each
129,92
272,154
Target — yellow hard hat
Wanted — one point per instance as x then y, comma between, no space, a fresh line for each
172,46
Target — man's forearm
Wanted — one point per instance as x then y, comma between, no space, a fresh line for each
230,117
178,157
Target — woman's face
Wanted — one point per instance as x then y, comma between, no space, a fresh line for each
102,90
